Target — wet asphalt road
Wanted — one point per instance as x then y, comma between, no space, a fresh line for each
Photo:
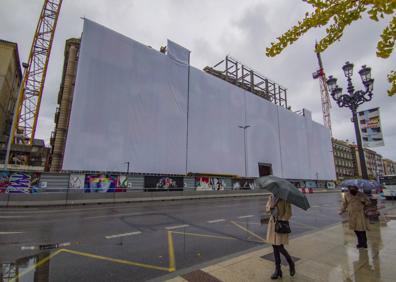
140,241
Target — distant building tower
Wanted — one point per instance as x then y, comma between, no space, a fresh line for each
324,93
65,99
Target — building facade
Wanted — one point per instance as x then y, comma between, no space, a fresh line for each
65,98
371,159
10,80
389,167
344,159
379,166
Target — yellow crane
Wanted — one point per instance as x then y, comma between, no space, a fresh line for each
28,103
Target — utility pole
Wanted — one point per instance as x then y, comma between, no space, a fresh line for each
127,163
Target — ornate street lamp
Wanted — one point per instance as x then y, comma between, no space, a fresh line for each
352,100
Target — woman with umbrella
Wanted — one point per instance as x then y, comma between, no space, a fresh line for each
280,210
284,193
354,202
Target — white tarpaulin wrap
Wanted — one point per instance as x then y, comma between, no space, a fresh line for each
178,53
130,104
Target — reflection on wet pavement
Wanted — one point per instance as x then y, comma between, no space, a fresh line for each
327,255
10,272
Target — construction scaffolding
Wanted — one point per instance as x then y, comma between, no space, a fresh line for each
250,80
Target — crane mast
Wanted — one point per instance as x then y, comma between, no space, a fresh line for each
28,106
324,93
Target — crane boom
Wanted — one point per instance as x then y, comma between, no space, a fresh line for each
324,93
28,106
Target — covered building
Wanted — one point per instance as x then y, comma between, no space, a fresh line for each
134,104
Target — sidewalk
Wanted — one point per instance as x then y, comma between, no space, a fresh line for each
326,255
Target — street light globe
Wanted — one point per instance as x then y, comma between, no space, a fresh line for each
370,85
365,74
331,83
337,92
348,69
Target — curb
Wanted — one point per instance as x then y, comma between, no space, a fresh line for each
112,199
54,203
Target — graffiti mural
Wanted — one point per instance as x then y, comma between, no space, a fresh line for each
203,183
101,183
19,182
123,182
4,176
77,181
160,183
243,183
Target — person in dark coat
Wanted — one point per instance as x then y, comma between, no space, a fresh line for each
354,203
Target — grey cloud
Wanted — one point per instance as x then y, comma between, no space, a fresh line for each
212,29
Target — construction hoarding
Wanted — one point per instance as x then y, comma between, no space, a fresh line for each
171,118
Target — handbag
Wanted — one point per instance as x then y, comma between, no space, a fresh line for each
264,218
282,226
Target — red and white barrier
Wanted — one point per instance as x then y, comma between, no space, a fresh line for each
302,190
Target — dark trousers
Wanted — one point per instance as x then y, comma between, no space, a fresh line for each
361,237
280,249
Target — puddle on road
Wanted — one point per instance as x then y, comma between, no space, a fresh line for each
11,271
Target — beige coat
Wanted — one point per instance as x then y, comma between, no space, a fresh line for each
354,205
284,213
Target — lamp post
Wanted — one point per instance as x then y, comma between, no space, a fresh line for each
352,100
127,163
244,127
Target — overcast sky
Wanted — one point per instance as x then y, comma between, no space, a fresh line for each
211,29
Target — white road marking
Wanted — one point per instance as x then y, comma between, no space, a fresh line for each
66,244
116,215
216,220
55,246
123,235
176,227
246,216
28,248
11,232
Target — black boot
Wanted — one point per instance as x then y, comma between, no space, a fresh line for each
359,239
277,273
292,266
364,239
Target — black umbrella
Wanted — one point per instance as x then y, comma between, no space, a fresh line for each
283,189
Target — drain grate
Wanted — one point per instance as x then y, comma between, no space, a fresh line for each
270,257
200,276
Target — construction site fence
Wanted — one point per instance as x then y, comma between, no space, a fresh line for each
19,182
70,196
